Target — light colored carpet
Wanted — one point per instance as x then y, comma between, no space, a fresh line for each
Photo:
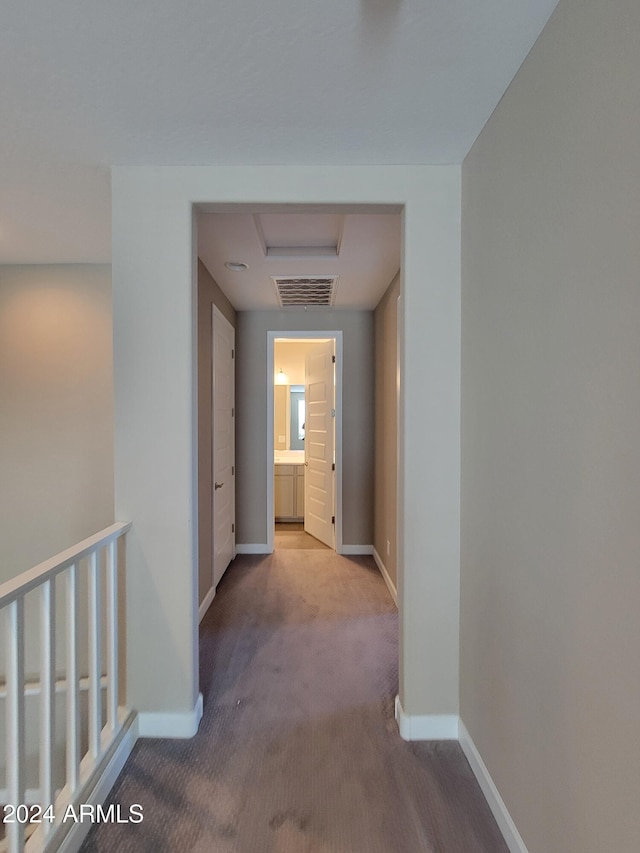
298,751
292,536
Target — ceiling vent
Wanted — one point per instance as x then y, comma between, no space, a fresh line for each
305,291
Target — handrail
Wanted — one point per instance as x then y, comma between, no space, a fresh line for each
91,615
32,578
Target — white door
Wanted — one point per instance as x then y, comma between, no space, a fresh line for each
223,445
319,443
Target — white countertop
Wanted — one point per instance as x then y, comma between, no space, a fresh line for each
288,457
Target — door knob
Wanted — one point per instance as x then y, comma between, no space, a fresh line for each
218,485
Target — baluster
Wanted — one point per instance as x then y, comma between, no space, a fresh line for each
47,694
12,597
15,719
112,637
73,685
95,657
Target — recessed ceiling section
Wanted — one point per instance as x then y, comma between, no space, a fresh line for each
302,235
307,251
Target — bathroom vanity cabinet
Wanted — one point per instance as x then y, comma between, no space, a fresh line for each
289,492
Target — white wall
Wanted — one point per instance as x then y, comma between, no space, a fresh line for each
289,356
56,433
550,634
153,279
56,410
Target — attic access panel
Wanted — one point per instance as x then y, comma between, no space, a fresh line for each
305,291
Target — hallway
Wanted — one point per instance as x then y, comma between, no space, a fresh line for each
291,536
298,751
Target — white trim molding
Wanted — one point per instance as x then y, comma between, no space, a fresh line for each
310,335
507,827
67,836
426,726
73,839
173,724
252,548
206,603
451,727
387,578
356,550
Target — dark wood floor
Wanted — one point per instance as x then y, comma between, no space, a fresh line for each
298,751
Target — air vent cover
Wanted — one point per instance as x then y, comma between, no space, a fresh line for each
304,291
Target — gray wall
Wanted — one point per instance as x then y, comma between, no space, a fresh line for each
56,410
209,294
386,441
550,634
252,385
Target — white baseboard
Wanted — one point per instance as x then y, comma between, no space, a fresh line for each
496,804
252,548
98,793
451,727
206,603
357,550
387,579
426,726
173,724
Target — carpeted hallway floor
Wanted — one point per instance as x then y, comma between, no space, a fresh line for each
298,751
292,536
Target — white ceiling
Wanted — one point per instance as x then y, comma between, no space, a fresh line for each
85,84
368,253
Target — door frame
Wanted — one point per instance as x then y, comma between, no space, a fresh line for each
279,334
154,276
219,316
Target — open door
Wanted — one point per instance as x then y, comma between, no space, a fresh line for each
319,449
223,445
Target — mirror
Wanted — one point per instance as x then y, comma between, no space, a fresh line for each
289,417
297,416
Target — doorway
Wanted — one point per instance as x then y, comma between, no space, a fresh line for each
304,483
153,363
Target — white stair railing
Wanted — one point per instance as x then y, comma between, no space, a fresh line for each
96,555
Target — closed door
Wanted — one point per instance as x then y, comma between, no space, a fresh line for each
319,443
223,522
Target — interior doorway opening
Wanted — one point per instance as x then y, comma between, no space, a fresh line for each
304,439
